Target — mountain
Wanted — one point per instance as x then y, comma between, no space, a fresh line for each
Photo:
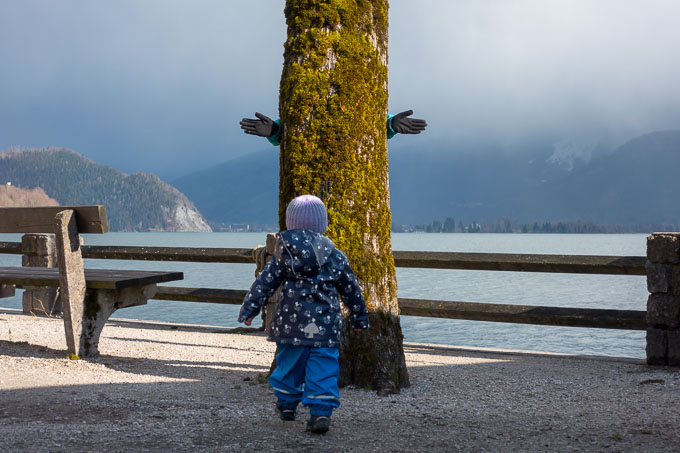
635,184
17,197
424,185
137,202
242,190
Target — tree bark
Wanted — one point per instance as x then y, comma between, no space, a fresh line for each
333,110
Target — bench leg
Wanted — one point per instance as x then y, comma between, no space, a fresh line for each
100,304
71,277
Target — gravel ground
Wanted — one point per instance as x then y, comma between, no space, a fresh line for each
161,387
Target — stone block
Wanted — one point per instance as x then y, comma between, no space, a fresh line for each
657,347
6,291
675,280
38,261
663,310
673,337
41,301
664,248
658,277
39,251
37,244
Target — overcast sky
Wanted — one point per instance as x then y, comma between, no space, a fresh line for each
160,85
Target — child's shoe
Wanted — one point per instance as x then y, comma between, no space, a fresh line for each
286,414
319,425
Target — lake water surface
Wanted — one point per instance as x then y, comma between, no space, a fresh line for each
522,288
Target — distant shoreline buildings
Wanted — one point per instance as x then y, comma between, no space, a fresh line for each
504,225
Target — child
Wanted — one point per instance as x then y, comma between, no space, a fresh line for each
307,324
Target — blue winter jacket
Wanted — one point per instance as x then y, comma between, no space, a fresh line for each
312,273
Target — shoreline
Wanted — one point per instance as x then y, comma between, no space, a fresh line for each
178,387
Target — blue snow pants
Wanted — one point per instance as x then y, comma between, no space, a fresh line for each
308,375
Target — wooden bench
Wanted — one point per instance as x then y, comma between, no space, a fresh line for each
88,296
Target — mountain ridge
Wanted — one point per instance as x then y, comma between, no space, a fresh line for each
136,202
634,184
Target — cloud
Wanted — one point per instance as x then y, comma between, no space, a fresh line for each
513,69
160,85
139,85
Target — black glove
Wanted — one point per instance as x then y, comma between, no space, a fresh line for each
404,125
263,126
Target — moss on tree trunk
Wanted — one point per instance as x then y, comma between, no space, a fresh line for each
333,109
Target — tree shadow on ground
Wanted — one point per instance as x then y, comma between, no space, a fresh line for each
459,400
190,368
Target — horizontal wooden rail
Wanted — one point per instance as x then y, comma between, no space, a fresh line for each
10,248
574,264
185,254
212,295
526,314
472,311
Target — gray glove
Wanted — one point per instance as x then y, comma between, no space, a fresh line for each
262,127
404,125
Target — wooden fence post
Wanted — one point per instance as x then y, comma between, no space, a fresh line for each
271,303
663,305
39,251
261,255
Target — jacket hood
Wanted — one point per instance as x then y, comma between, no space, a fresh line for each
304,251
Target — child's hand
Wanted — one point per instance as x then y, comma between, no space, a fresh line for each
248,321
402,124
263,126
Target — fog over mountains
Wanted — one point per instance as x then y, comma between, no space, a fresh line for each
634,184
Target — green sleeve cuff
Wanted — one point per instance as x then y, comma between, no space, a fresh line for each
276,138
390,132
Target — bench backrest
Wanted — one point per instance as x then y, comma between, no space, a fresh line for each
40,219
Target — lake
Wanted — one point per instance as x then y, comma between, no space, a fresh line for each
521,288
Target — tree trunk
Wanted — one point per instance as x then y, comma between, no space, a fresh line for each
333,110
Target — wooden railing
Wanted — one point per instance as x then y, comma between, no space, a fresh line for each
525,314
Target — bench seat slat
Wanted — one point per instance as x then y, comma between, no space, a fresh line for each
94,278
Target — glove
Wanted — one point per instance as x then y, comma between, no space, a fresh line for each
262,127
402,124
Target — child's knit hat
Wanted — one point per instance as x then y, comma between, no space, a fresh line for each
308,212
